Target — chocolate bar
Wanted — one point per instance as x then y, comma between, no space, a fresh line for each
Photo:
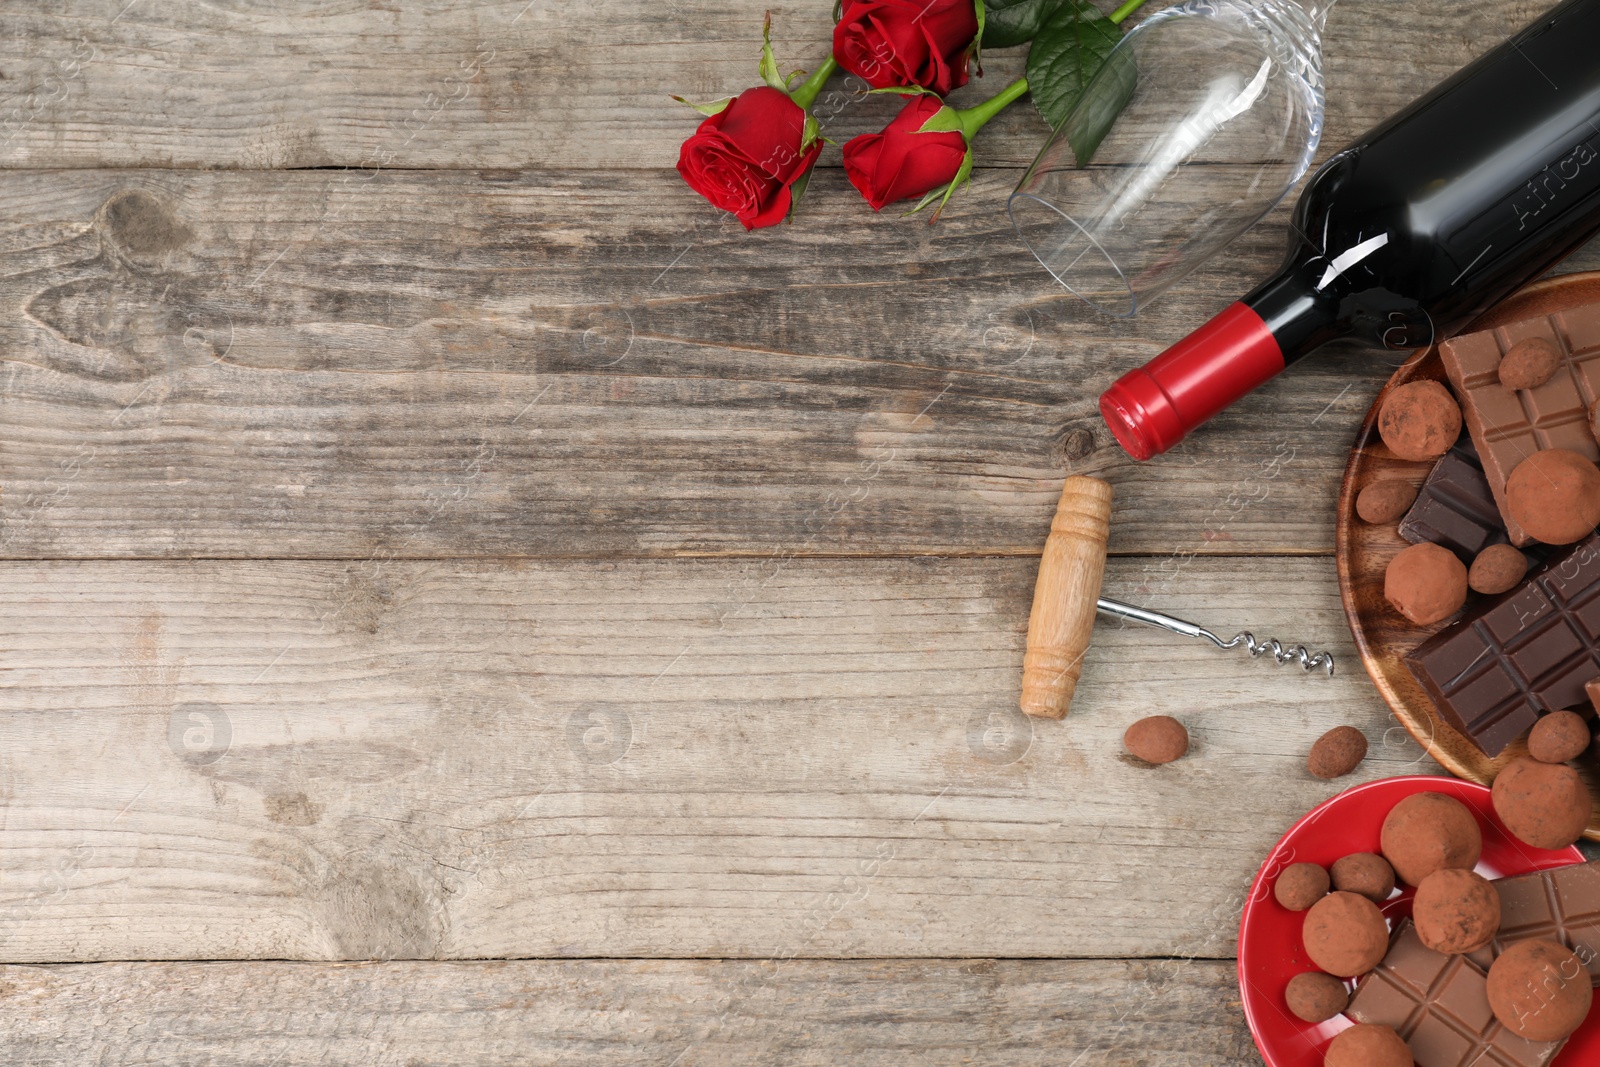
1515,657
1455,507
1509,426
1440,1005
1561,905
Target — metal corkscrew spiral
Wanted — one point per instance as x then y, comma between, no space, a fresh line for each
1308,660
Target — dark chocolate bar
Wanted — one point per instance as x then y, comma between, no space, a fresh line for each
1455,507
1518,656
1440,1005
1561,905
1509,426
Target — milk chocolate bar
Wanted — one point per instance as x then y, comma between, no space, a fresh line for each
1561,905
1455,507
1440,1005
1509,426
1513,658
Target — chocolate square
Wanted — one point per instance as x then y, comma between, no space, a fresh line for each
1509,426
1440,1005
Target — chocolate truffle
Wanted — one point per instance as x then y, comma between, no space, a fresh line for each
1368,1045
1593,689
1427,831
1345,935
1426,583
1543,804
1456,911
1157,739
1530,363
1555,496
1558,737
1337,752
1497,569
1420,420
1364,873
1316,997
1539,990
1385,501
1300,886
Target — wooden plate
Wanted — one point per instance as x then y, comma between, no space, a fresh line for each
1382,634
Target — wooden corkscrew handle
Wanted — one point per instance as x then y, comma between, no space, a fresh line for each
1064,597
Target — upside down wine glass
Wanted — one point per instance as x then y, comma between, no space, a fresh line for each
1201,120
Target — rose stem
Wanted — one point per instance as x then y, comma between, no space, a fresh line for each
806,95
973,118
1124,11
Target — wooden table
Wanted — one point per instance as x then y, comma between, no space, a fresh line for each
467,602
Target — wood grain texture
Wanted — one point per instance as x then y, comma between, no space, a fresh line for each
232,760
805,1013
530,83
433,364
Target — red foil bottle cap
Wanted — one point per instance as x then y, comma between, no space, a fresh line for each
1151,409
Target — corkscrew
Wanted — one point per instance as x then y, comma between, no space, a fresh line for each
1066,598
1309,661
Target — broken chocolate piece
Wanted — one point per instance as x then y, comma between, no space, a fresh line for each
1509,426
1440,1005
1516,657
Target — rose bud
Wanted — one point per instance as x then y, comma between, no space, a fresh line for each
748,156
907,42
903,161
927,148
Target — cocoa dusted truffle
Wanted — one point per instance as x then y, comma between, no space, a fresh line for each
1530,363
1497,569
1337,752
1300,886
1426,583
1555,496
1420,420
1543,804
1456,911
1559,737
1366,874
1427,831
1157,739
1368,1045
1316,997
1345,935
1385,501
1539,990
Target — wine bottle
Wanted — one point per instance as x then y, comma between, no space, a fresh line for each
1410,233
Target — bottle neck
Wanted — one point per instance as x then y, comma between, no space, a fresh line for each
1299,318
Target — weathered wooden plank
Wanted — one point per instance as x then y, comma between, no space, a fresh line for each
526,83
1175,1013
439,364
693,758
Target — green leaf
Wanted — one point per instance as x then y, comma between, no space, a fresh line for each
1009,22
810,131
942,193
769,62
716,107
797,190
1117,79
1071,47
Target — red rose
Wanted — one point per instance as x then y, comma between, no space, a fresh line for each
900,163
747,157
907,42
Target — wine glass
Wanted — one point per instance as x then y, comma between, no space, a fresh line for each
1201,119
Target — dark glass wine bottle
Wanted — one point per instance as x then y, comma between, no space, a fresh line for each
1410,233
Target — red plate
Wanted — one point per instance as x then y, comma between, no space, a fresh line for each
1270,950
